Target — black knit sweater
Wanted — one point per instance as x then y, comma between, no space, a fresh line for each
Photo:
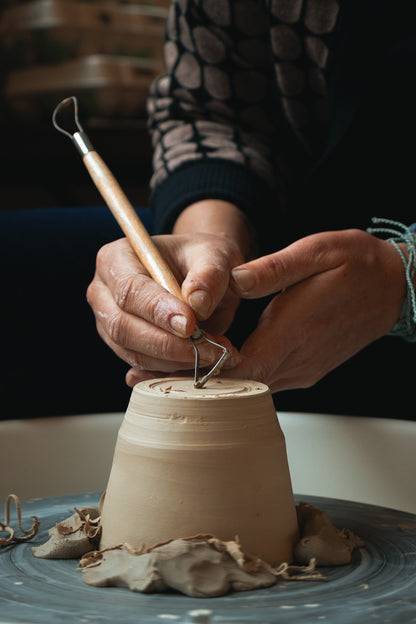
257,92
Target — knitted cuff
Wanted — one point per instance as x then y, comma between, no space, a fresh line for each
210,178
406,325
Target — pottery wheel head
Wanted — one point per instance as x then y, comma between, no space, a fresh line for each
183,387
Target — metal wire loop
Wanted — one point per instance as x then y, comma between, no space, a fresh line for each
199,382
64,104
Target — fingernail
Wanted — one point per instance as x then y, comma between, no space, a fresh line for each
200,302
244,279
178,324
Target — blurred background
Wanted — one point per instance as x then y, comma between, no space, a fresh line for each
104,52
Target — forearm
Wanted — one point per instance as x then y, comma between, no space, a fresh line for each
209,141
203,108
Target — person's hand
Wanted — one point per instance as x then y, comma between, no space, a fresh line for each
337,292
144,324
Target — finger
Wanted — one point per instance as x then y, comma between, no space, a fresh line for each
146,347
145,361
134,376
141,343
136,293
293,343
283,372
139,373
221,319
207,279
280,332
304,258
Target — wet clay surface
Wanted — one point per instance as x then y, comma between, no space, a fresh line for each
210,460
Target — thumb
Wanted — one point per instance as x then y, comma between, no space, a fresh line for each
300,260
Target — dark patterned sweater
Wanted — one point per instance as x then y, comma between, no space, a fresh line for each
255,93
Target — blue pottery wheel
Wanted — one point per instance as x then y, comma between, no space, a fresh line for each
378,586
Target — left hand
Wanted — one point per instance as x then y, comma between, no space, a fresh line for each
336,293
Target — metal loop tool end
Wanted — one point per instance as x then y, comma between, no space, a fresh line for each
77,134
199,382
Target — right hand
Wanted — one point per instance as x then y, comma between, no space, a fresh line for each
144,324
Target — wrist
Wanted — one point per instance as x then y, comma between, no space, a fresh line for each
222,218
404,241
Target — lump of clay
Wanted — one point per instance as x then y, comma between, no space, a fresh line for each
201,566
72,537
321,540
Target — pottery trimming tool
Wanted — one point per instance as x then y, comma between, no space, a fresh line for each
132,227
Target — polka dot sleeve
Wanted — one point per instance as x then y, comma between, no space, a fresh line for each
213,114
243,103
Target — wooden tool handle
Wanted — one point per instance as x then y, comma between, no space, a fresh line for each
130,223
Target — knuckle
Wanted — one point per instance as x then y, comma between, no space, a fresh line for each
104,255
159,309
117,328
215,276
262,371
356,234
308,381
154,308
90,294
125,290
216,271
309,374
318,250
165,349
135,360
275,267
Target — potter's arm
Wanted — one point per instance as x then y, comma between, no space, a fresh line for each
210,139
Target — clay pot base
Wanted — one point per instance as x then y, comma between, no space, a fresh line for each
212,460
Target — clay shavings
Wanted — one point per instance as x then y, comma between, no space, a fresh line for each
200,566
72,537
5,526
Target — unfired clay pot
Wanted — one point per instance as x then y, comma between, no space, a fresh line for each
210,460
